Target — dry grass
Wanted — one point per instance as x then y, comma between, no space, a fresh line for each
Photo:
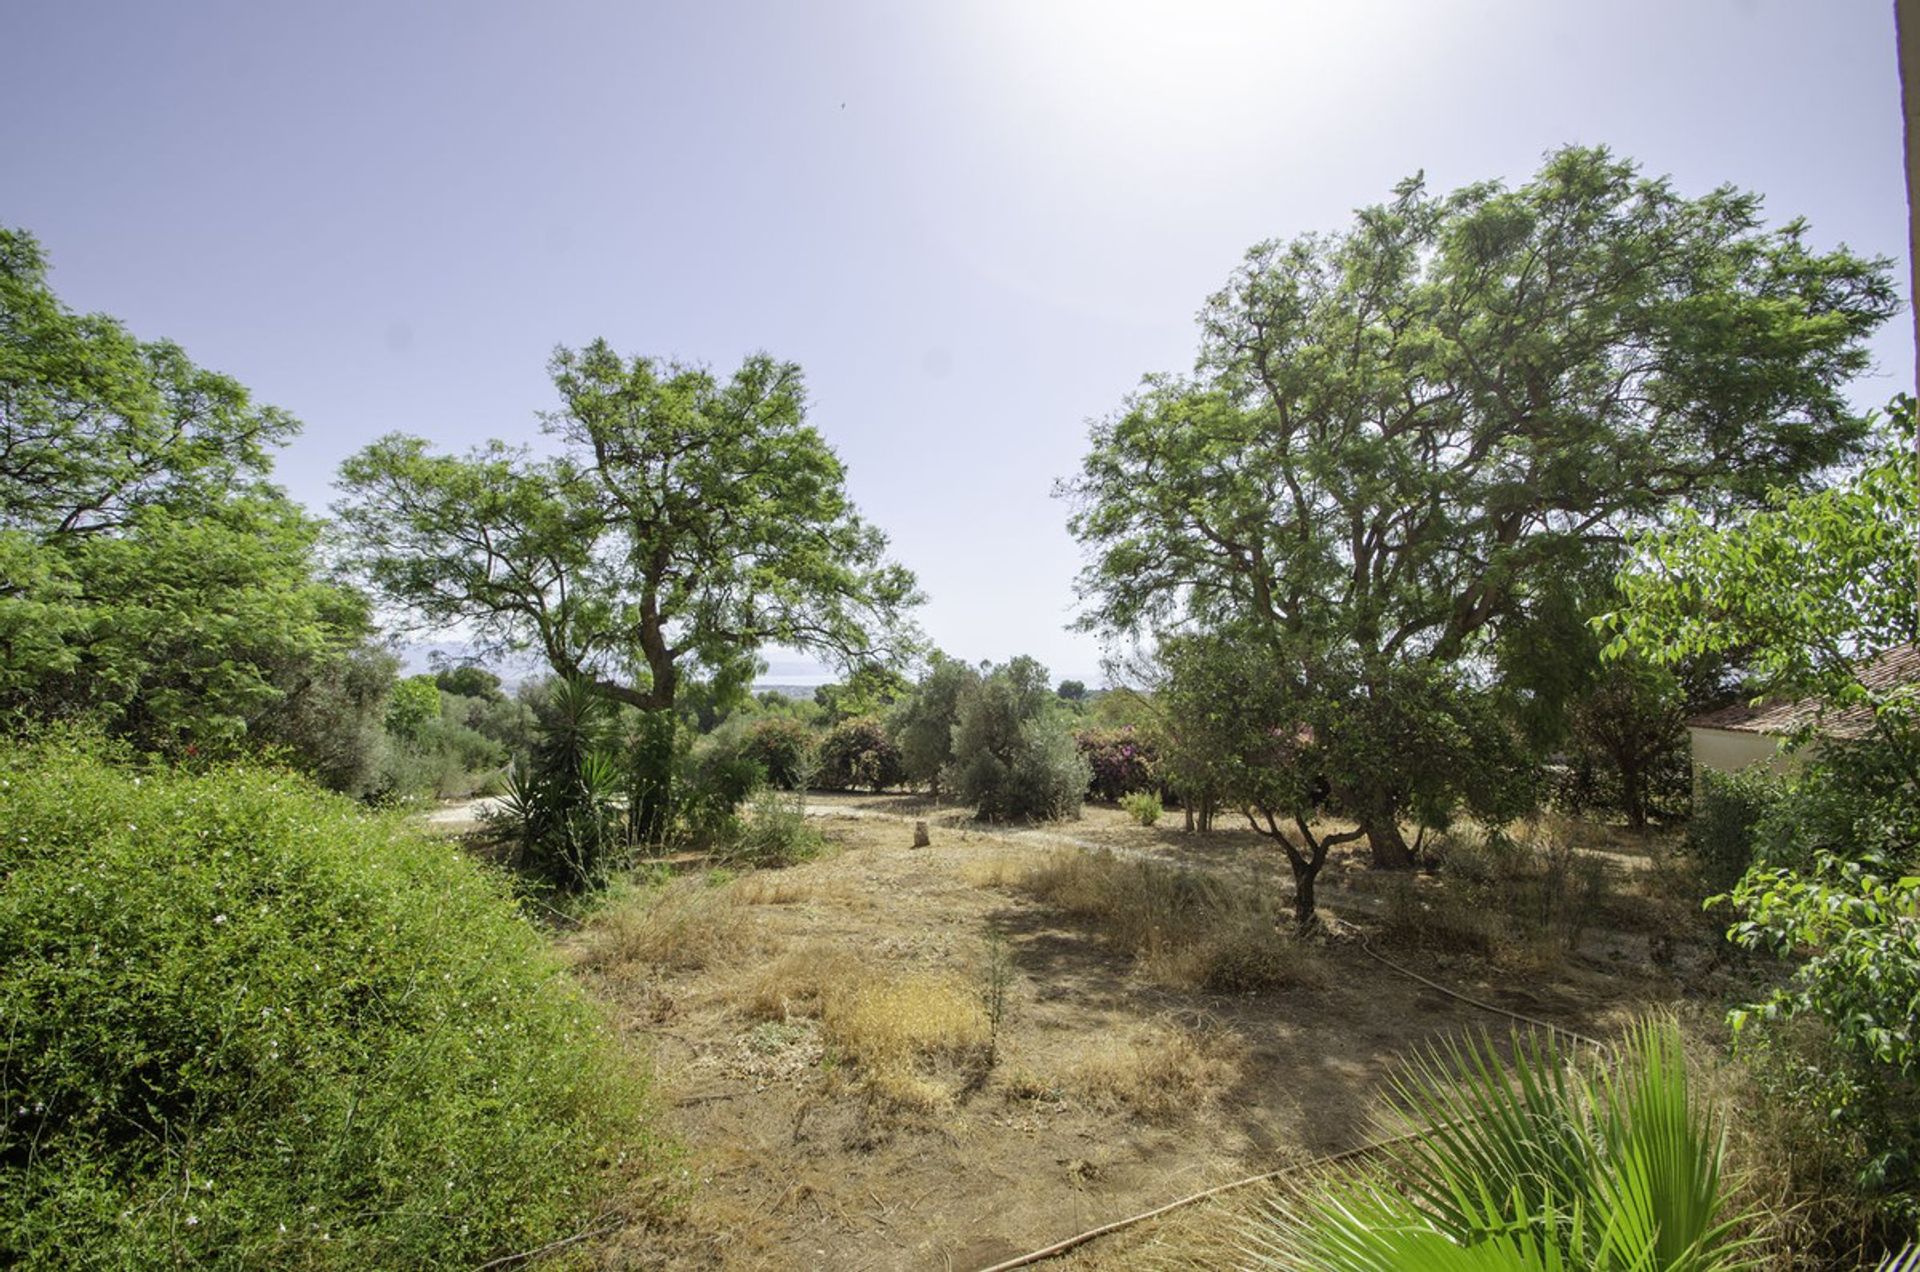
685,925
1523,902
1185,928
1162,1073
916,1037
998,870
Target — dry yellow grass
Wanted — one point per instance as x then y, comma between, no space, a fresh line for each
999,869
1185,928
686,925
1161,1073
915,1036
773,889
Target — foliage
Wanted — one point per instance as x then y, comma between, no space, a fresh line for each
1399,437
1805,592
173,632
411,705
859,753
774,832
1721,836
97,427
560,806
151,581
1527,1164
922,723
1628,735
785,750
1283,753
1122,760
870,690
685,522
1013,756
1143,807
1072,690
1850,926
250,1026
713,777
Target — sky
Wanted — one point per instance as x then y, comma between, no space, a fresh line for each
975,225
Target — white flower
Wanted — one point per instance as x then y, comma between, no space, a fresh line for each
219,918
193,1220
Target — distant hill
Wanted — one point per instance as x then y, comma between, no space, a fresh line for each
804,692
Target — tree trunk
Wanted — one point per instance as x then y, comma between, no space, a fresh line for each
1633,793
1390,848
1303,899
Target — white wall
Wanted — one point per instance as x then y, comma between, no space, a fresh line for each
1729,750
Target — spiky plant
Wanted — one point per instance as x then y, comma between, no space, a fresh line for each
561,807
1528,1163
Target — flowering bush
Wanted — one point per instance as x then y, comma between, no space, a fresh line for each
1123,760
784,750
859,753
250,1025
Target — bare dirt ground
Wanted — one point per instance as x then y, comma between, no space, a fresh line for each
1110,1094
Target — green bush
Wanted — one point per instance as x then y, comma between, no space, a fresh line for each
250,1025
859,753
783,748
1726,814
774,832
1014,755
1144,807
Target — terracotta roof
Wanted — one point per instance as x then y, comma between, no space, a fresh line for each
1896,667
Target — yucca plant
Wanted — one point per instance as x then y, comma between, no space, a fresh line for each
562,808
1527,1163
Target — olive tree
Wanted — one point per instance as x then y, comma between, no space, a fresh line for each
1397,438
685,521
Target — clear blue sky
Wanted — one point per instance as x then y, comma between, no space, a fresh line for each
976,225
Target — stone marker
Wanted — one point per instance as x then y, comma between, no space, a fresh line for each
920,836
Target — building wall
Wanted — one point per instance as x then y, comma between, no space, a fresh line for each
1729,750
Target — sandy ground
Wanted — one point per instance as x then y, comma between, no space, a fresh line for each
792,1171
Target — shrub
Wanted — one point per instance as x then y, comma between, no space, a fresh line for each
1144,807
1013,756
784,749
413,703
251,1025
560,807
1124,761
713,776
774,833
1720,838
859,753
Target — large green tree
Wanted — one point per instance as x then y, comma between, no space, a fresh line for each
685,522
1400,438
151,581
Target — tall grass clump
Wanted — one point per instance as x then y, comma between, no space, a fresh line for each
249,1025
1184,928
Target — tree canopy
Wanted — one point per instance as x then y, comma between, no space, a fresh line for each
151,580
1401,439
686,522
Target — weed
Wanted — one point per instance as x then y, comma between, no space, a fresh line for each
996,975
1143,806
